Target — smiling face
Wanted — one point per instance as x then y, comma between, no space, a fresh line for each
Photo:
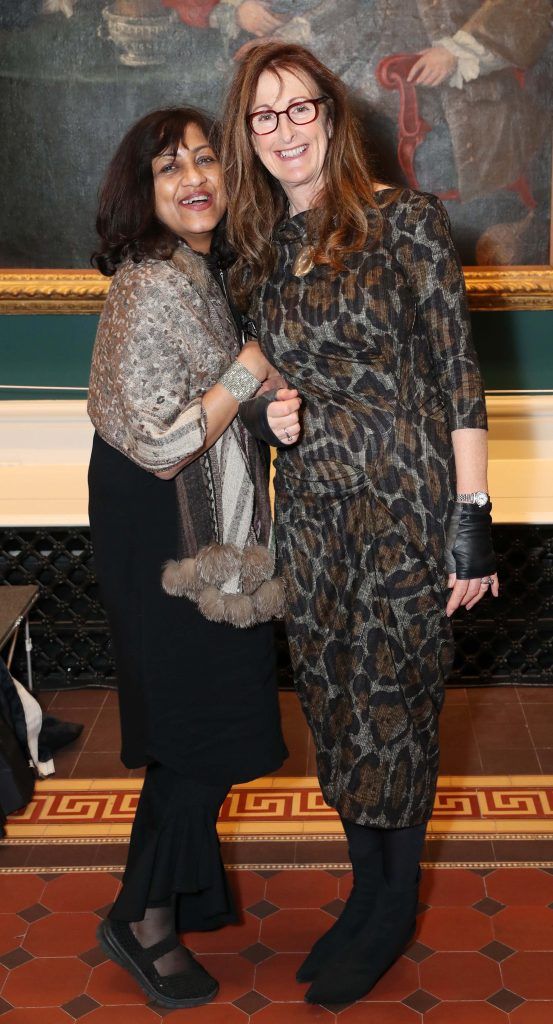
294,154
189,192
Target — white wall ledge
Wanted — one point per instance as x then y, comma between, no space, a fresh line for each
45,448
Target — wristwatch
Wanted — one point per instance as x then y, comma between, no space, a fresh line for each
479,498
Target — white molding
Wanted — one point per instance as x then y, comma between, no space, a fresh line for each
521,457
45,448
44,453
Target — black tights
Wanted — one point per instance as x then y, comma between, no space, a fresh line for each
401,850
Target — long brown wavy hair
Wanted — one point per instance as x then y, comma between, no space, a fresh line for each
346,213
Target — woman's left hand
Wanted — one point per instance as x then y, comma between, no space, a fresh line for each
467,593
283,415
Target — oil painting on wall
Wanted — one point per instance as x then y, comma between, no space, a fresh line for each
455,97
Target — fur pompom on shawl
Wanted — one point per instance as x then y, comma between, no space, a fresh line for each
166,336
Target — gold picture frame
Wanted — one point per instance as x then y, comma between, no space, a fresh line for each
84,291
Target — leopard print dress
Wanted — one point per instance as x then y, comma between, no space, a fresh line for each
382,356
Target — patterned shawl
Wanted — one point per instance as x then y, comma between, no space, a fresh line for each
166,335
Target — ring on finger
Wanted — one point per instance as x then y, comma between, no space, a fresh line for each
486,581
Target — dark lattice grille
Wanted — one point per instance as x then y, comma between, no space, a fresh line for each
505,641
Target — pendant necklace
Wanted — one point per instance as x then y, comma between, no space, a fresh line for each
303,263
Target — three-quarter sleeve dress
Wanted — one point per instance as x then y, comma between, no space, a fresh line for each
382,356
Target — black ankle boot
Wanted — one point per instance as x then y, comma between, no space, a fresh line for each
357,913
354,971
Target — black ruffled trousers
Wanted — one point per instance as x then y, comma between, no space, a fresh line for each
174,854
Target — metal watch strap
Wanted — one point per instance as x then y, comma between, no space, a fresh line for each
239,382
479,498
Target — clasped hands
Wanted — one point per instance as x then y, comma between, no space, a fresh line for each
283,413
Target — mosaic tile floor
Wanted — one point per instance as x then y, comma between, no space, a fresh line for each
483,952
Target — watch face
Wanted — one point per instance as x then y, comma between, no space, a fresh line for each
481,498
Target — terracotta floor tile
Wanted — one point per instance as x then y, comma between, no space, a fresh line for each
14,856
460,757
525,928
529,975
520,886
87,697
231,939
379,1013
233,972
399,981
45,857
247,887
124,1015
65,761
87,716
293,1013
296,735
523,850
460,976
45,697
463,930
62,935
455,695
540,723
105,735
266,852
36,1015
500,725
535,694
510,761
17,892
465,1013
46,982
545,757
532,1013
466,851
302,889
275,978
99,766
453,888
344,885
313,852
80,891
110,984
12,932
213,1013
294,931
492,695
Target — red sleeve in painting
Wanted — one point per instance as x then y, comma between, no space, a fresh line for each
193,12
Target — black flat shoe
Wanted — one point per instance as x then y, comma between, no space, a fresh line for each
353,972
56,734
192,987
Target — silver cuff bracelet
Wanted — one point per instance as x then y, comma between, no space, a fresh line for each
239,382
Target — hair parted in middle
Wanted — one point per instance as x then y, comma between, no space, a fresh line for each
346,212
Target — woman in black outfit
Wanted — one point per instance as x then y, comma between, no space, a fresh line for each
176,481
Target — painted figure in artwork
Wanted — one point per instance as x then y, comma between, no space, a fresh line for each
455,88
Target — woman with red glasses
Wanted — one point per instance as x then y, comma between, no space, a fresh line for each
360,305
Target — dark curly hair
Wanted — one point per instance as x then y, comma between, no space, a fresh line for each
127,223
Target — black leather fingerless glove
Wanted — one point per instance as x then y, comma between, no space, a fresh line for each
253,414
469,549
